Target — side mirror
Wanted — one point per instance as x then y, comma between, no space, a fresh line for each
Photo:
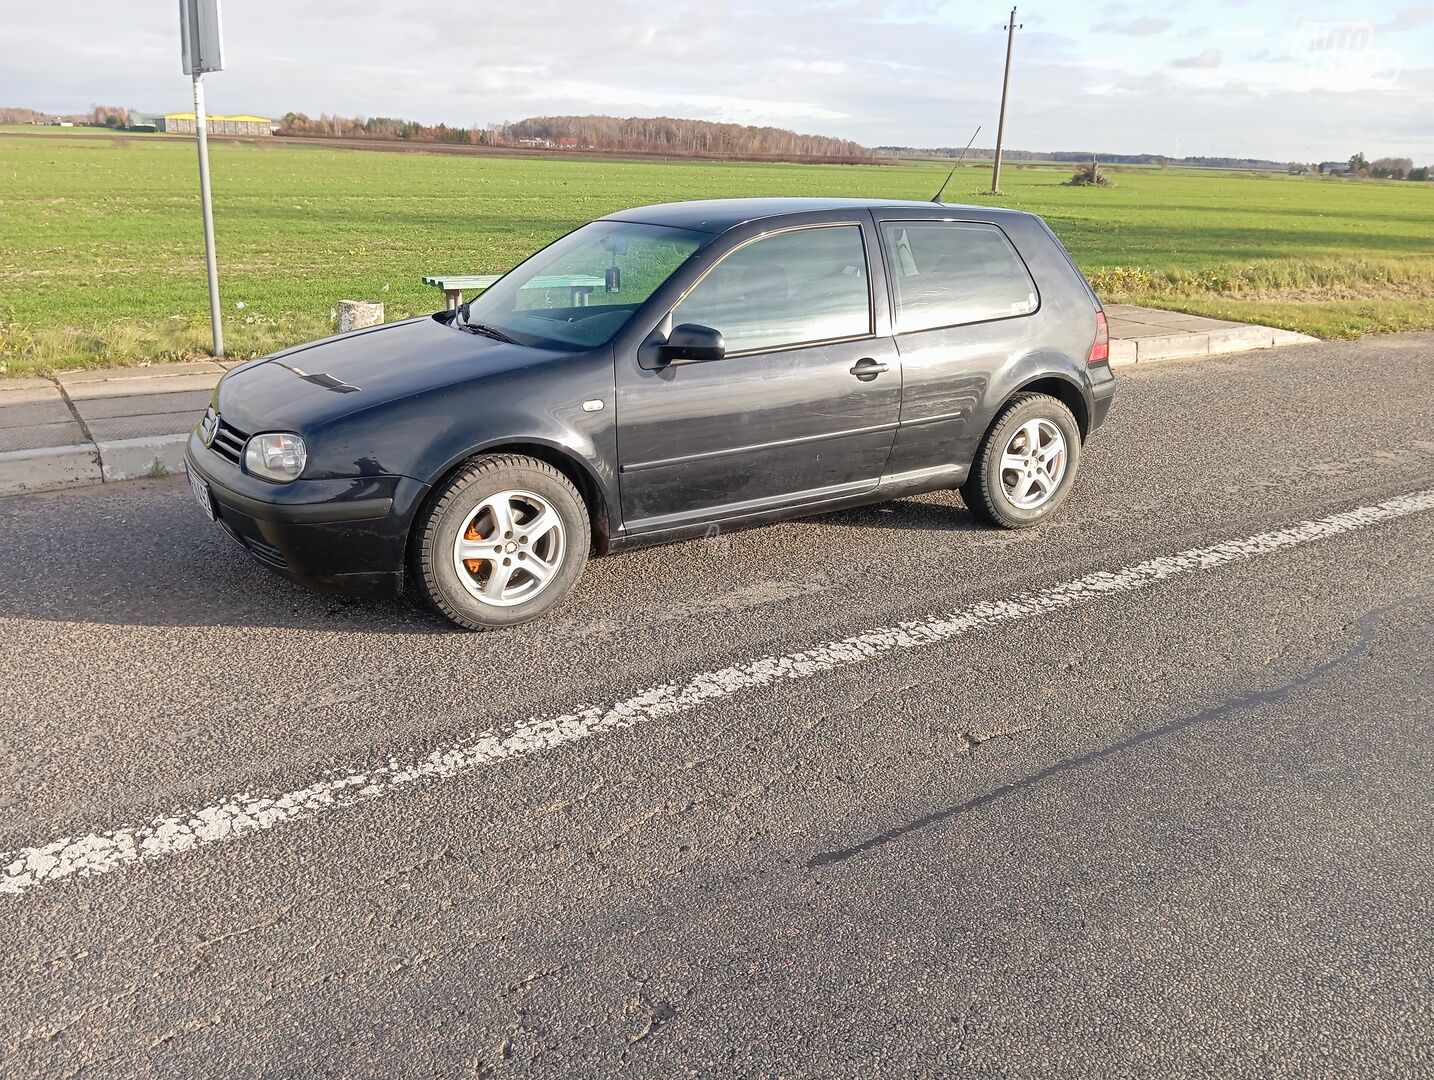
692,342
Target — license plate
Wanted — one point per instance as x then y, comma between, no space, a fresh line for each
201,495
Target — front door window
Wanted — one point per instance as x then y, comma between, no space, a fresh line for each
799,287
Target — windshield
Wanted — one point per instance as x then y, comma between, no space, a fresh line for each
582,289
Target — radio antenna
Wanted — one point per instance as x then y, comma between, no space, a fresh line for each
937,197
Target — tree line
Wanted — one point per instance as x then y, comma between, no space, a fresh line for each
1083,156
1388,168
114,116
670,135
376,127
700,138
657,135
1385,168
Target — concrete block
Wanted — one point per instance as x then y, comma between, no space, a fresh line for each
356,314
48,468
1122,353
130,459
1239,339
1172,347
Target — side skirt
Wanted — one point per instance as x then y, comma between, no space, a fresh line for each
896,486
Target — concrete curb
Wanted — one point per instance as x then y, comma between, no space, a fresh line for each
49,468
131,459
89,399
1223,341
95,403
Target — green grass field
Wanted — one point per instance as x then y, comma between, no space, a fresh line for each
101,259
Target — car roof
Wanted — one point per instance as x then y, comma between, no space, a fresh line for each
719,215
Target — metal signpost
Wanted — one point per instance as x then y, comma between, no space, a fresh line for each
202,43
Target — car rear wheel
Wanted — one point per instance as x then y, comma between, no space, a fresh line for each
504,542
1027,463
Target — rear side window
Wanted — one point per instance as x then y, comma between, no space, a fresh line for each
946,273
791,288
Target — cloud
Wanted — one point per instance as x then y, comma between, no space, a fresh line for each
1209,58
904,72
1411,18
1143,26
819,67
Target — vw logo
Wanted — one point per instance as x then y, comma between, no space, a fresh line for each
208,426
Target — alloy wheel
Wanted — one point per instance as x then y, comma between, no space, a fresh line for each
510,548
1033,463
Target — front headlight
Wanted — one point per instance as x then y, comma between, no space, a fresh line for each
279,456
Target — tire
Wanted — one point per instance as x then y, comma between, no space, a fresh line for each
1014,498
513,577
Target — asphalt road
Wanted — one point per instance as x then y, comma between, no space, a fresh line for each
1180,829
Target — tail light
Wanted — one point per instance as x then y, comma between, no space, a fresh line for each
1100,348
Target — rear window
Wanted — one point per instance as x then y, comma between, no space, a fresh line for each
946,273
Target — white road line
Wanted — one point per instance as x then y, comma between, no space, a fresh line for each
238,815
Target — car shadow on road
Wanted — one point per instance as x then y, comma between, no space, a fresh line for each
937,512
141,555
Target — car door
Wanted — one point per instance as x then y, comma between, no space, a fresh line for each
802,407
965,310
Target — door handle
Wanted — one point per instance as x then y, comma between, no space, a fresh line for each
867,369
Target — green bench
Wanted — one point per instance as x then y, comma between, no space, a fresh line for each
579,286
454,284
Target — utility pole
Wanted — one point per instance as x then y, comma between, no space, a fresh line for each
1011,28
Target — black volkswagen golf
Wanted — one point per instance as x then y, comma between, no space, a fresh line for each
654,374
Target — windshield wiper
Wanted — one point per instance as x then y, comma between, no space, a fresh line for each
488,331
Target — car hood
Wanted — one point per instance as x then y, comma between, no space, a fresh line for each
309,385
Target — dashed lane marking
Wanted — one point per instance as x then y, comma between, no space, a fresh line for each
103,852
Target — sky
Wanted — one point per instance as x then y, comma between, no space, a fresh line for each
1304,80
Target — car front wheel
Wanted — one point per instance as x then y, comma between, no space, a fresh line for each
1027,463
503,542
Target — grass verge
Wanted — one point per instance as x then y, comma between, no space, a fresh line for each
101,262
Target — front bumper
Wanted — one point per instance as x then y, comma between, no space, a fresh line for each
345,536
